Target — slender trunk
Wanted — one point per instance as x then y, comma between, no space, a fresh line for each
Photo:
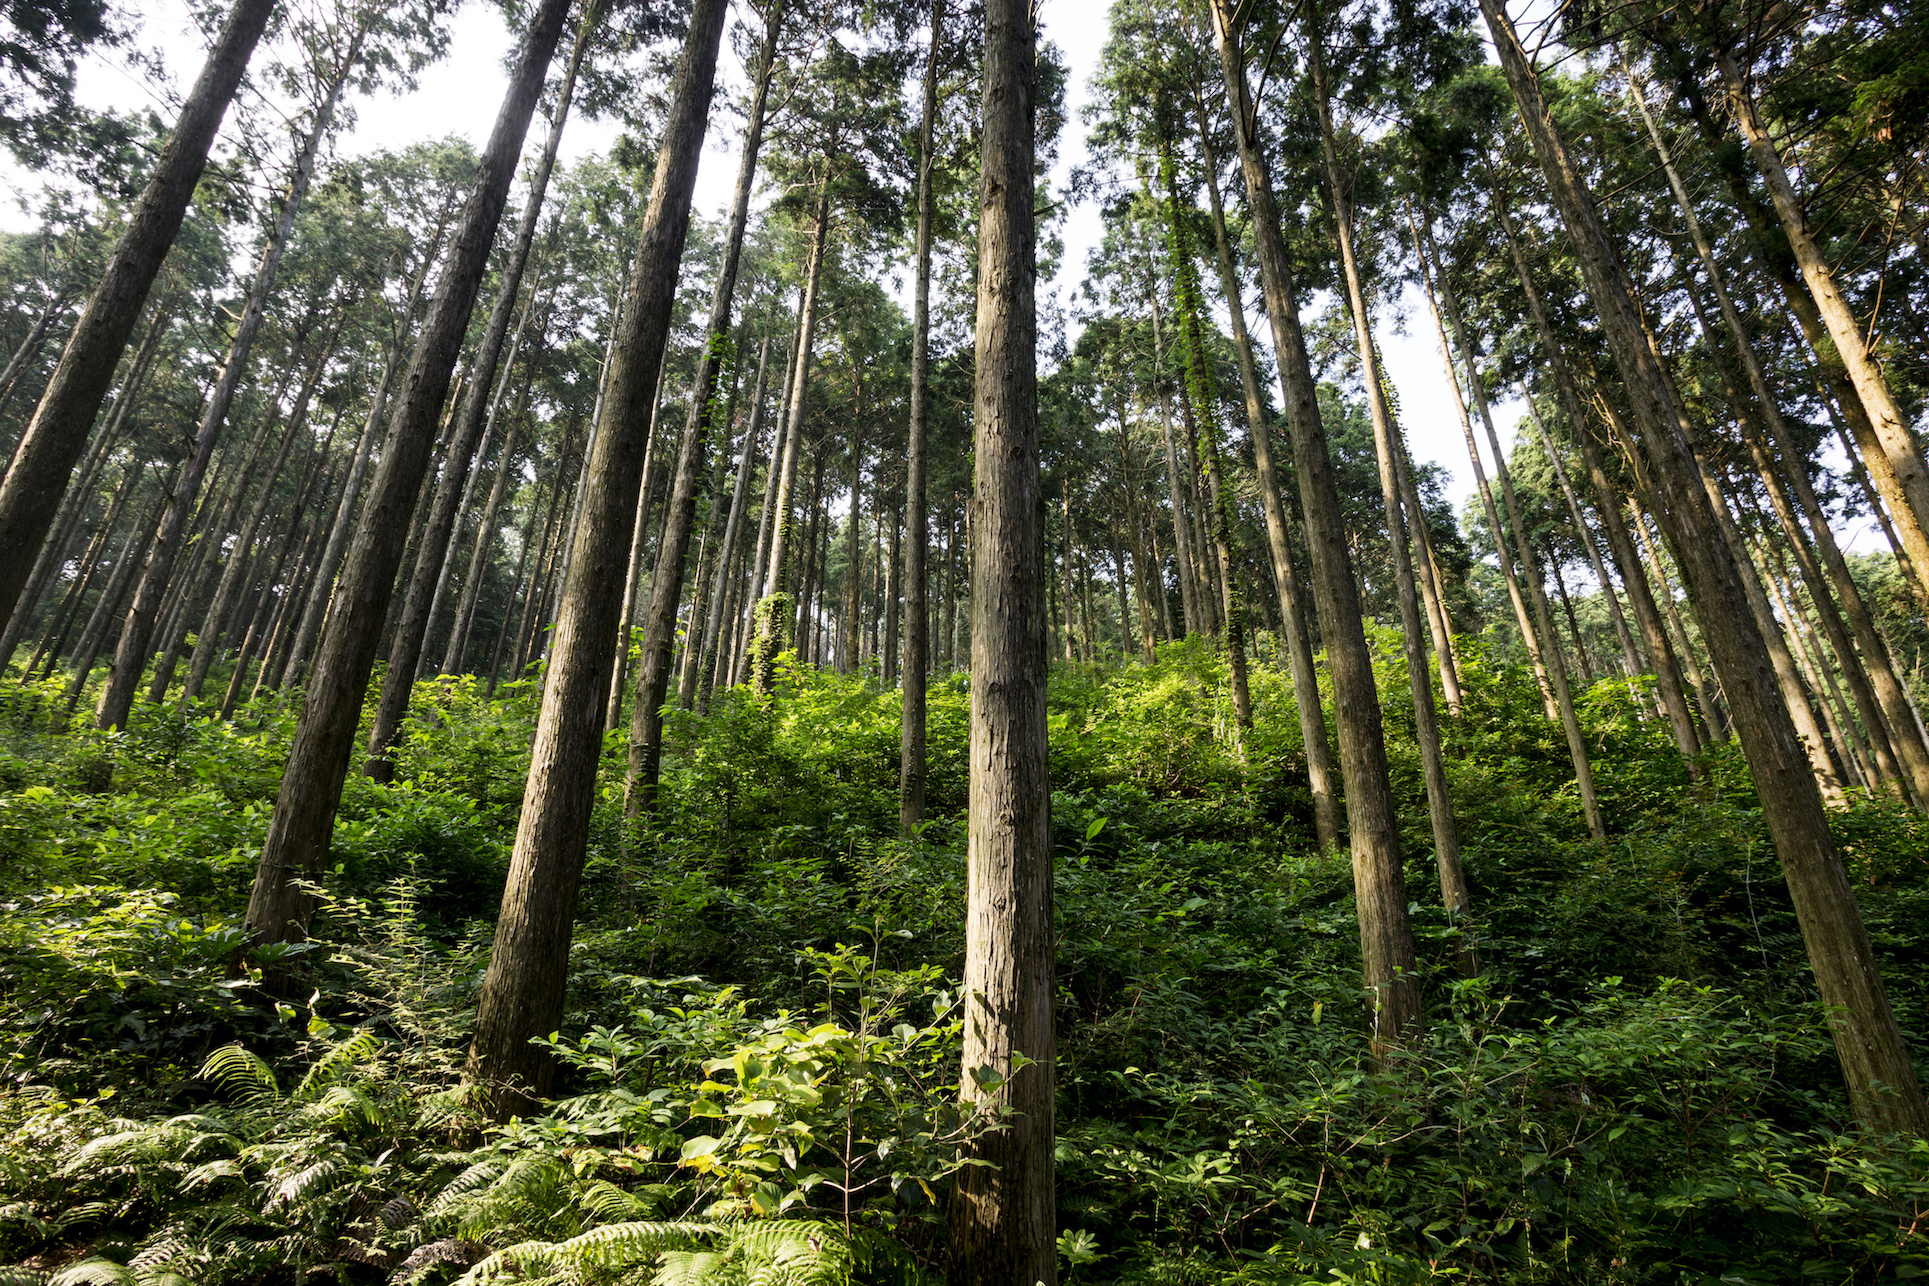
770,611
298,837
411,631
1386,448
55,437
1630,655
1886,689
1002,1218
1386,933
465,612
1608,505
209,640
1433,270
137,632
733,525
522,993
1895,447
1882,1081
666,586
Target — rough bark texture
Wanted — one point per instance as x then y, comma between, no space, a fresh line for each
311,787
1003,1214
1386,933
31,492
1875,1061
522,992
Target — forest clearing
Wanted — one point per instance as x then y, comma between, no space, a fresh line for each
932,725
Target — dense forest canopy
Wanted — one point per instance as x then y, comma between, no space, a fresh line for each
918,716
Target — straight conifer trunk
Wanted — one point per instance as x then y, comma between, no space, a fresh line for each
1386,443
522,992
311,787
1386,933
770,607
411,631
1875,1060
1003,1209
917,508
721,592
35,482
666,585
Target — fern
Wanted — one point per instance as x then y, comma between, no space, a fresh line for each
93,1272
242,1073
344,1054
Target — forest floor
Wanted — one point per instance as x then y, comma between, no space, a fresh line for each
758,1076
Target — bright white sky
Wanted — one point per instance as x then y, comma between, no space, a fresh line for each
460,96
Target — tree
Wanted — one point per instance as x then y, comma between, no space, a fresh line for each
1003,1213
522,992
31,492
311,787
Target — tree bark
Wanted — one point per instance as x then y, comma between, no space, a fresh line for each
1386,448
666,585
1003,1211
522,992
917,509
733,525
770,609
411,632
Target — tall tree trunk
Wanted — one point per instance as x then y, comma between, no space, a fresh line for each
1630,655
1882,1081
1454,892
1608,505
733,525
522,992
298,837
1445,300
1386,933
770,608
911,764
666,586
137,632
1896,448
1887,690
208,643
411,631
31,492
457,651
1003,1213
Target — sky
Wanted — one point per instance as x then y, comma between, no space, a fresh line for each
460,95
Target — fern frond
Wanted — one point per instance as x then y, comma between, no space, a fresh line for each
240,1072
472,1180
93,1272
360,1047
22,1277
611,1204
619,1245
688,1268
305,1181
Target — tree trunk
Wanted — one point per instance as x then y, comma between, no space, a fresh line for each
770,610
1386,933
522,992
733,525
457,651
1386,444
1003,1212
31,492
1882,1081
298,837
